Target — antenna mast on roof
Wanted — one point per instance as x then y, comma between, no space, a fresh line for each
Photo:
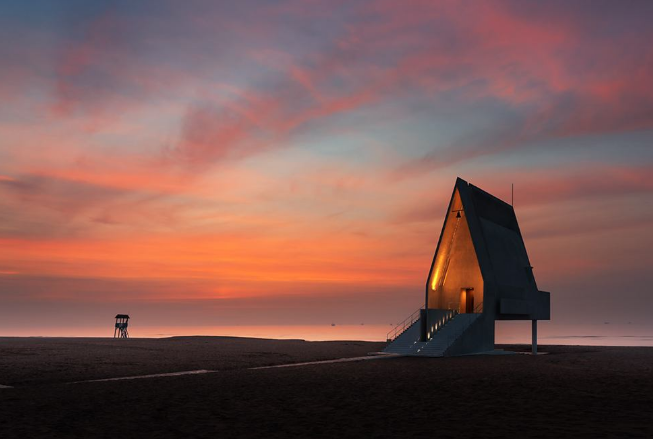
512,195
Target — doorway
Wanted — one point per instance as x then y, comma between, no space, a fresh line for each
467,300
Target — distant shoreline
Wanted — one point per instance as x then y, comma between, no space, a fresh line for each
542,342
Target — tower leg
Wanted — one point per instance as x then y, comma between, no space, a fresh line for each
534,326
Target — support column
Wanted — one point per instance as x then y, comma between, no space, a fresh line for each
534,337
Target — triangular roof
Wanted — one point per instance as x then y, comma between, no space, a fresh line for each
497,238
500,251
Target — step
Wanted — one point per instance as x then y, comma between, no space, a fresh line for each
437,346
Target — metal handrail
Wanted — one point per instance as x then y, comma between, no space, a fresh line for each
410,320
401,327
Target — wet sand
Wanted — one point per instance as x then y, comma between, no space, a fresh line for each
572,391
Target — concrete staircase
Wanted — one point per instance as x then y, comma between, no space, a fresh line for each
405,343
446,334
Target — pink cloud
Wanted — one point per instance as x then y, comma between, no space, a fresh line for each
187,214
381,52
546,186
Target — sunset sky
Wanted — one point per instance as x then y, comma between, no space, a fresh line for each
290,163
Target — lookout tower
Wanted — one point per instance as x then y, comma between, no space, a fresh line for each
480,274
120,331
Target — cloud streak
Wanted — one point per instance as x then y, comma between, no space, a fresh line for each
308,150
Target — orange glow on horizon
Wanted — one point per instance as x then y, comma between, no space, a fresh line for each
297,167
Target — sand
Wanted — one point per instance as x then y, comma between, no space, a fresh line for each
572,391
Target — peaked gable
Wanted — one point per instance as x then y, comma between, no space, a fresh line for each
489,253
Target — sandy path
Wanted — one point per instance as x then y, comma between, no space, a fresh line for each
28,361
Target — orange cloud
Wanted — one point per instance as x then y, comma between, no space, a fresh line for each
225,156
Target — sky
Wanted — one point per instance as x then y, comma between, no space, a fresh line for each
201,164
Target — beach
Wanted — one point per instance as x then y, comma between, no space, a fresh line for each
578,391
